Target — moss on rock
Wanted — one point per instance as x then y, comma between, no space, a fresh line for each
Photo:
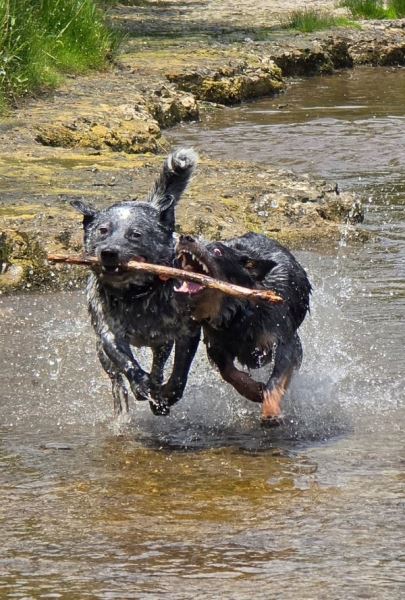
170,107
230,84
134,135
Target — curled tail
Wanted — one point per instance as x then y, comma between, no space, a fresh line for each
174,178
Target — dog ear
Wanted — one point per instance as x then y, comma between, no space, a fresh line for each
257,267
87,211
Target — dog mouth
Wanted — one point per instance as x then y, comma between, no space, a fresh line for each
116,270
188,261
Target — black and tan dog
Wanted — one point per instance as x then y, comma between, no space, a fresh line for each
256,334
138,309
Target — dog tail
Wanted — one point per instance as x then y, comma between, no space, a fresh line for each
174,178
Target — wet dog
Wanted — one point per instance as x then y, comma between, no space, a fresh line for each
138,309
256,334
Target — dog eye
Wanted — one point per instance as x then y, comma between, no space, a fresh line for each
133,234
217,252
103,230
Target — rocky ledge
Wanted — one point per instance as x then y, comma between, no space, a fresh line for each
224,199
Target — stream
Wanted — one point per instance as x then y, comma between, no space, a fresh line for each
206,503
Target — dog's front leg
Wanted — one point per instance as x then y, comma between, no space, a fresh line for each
119,352
185,349
159,405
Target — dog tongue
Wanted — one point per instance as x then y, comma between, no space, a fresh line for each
189,287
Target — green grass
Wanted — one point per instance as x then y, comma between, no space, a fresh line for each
308,20
40,40
398,7
375,9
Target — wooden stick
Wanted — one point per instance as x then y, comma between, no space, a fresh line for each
229,289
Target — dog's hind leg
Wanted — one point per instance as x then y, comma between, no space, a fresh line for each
118,383
241,381
288,358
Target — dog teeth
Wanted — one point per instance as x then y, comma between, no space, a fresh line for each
195,259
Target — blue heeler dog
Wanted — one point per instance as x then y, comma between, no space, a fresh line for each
256,334
138,309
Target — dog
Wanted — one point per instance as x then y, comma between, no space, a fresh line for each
130,308
255,333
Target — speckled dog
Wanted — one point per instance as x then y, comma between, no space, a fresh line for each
138,309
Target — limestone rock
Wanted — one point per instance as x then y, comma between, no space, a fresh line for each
232,83
170,107
130,130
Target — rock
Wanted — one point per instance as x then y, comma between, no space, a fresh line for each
338,51
131,131
170,107
23,260
230,84
309,60
231,198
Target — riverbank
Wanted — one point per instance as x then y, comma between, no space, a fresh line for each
98,137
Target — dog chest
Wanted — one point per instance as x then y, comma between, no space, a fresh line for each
149,322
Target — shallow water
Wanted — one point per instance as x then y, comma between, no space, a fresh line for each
206,503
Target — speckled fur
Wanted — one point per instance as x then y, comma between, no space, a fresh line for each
135,309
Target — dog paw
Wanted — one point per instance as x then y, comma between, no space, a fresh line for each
159,408
171,396
141,390
270,422
271,404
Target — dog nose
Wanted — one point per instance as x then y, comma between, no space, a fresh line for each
186,238
110,257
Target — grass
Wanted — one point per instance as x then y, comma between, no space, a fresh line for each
40,40
375,9
309,20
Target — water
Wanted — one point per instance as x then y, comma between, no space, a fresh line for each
206,503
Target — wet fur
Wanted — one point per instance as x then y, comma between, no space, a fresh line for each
256,334
134,309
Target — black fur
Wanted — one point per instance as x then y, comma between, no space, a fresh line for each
256,334
136,309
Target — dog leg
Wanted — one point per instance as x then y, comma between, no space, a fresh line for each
158,405
172,390
119,388
288,357
120,354
241,381
160,356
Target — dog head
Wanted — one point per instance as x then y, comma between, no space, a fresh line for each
141,231
219,261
